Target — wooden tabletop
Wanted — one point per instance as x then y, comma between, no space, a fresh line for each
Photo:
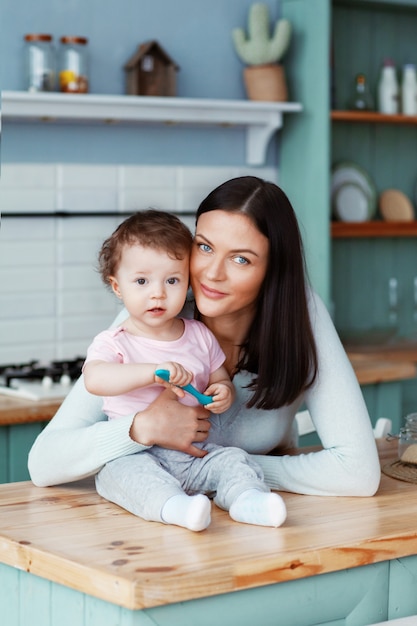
395,350
371,370
23,411
70,535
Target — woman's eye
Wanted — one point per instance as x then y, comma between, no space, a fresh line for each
204,247
172,281
141,281
240,260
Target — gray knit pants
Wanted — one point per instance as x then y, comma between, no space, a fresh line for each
141,483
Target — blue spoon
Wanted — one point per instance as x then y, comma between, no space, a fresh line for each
164,374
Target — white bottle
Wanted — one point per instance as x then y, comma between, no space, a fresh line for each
388,91
409,90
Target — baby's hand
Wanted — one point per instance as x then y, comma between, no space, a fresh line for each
222,397
178,375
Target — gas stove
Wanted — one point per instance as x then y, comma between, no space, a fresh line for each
36,381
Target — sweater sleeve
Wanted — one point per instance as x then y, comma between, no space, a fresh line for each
348,465
79,439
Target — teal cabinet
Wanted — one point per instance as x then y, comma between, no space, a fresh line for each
356,596
15,443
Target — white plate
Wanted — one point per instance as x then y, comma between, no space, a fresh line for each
349,172
351,203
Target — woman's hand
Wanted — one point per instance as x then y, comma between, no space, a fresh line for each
171,425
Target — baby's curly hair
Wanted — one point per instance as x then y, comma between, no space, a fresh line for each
151,229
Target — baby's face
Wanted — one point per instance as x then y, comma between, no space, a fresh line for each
152,285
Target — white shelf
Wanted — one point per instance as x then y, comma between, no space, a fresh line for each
261,119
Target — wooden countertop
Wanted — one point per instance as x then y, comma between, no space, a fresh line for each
398,350
70,535
370,367
22,411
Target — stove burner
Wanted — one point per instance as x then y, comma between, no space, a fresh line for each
33,370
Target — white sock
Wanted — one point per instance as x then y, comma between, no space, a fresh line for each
192,512
260,508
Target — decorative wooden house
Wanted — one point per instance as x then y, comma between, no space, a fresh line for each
151,72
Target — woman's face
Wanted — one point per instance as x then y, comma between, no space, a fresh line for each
229,261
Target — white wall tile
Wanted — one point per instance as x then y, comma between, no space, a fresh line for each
27,253
148,198
88,200
146,176
85,251
17,229
23,352
27,305
20,331
18,175
77,277
88,176
80,327
93,302
27,280
76,229
27,200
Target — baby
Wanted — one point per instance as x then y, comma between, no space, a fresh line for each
146,264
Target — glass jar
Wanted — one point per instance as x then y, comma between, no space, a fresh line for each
411,422
39,62
407,446
73,70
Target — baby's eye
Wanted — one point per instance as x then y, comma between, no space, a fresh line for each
141,281
240,260
173,281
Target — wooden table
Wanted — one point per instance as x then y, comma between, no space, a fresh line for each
70,557
22,411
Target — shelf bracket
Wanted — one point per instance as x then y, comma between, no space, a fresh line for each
258,138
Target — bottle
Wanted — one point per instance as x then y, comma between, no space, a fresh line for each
39,61
362,99
73,72
388,90
409,90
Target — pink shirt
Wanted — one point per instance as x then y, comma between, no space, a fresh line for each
197,350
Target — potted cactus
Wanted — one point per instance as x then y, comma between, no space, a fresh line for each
264,77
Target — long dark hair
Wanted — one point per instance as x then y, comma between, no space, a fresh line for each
279,347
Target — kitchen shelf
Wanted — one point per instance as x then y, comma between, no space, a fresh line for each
372,117
340,230
261,119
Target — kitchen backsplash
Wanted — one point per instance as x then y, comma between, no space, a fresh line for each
52,301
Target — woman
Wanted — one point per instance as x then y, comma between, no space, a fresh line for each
249,284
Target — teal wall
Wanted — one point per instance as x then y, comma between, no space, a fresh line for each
304,168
